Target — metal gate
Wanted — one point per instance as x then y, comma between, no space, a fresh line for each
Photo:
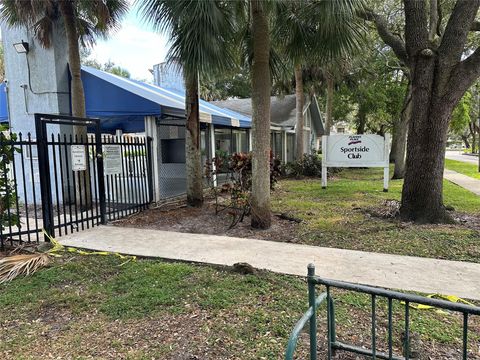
89,179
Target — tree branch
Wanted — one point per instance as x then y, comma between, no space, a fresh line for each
463,76
432,32
475,26
453,41
416,27
392,40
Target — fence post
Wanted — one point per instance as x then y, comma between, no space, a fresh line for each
331,310
44,169
100,173
149,168
313,319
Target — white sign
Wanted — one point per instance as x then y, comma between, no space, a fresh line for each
79,158
112,159
356,151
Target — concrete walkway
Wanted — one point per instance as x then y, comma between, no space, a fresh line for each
460,156
391,271
464,181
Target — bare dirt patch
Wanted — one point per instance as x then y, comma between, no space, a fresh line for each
204,220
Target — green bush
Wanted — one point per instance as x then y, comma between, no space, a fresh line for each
308,165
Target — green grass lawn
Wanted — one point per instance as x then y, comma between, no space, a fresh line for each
463,168
98,307
94,307
339,217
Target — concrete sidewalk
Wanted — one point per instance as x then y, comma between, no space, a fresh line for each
460,156
390,271
464,181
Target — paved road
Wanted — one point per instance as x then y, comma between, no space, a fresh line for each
390,271
458,155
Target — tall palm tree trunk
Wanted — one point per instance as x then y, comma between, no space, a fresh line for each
82,191
78,96
192,142
299,108
329,110
261,215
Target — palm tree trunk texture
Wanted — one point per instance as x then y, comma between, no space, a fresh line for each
329,110
401,129
192,143
83,191
299,108
260,202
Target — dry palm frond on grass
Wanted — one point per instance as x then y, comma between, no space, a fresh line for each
16,265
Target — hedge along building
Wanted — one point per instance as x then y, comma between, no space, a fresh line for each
38,82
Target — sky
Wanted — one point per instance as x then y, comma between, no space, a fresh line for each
136,47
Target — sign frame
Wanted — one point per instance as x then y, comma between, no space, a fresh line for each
384,162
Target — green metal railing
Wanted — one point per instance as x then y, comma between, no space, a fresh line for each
333,344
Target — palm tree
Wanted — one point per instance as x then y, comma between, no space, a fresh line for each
261,87
201,34
324,29
315,32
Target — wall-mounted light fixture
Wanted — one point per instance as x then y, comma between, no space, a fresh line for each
21,47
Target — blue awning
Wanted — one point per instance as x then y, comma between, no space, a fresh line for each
3,103
112,96
123,103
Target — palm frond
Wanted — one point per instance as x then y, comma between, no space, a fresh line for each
17,265
201,32
318,31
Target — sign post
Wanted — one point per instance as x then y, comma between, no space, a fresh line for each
356,151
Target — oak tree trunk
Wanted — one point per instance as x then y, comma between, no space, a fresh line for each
329,107
82,192
261,214
440,71
466,142
193,162
400,133
471,126
299,109
422,194
361,122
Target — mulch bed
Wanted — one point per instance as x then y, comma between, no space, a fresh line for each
181,218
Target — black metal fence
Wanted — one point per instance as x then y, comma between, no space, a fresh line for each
50,193
333,344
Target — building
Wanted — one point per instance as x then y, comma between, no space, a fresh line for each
283,122
283,118
38,82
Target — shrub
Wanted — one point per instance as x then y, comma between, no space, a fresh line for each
308,165
234,193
